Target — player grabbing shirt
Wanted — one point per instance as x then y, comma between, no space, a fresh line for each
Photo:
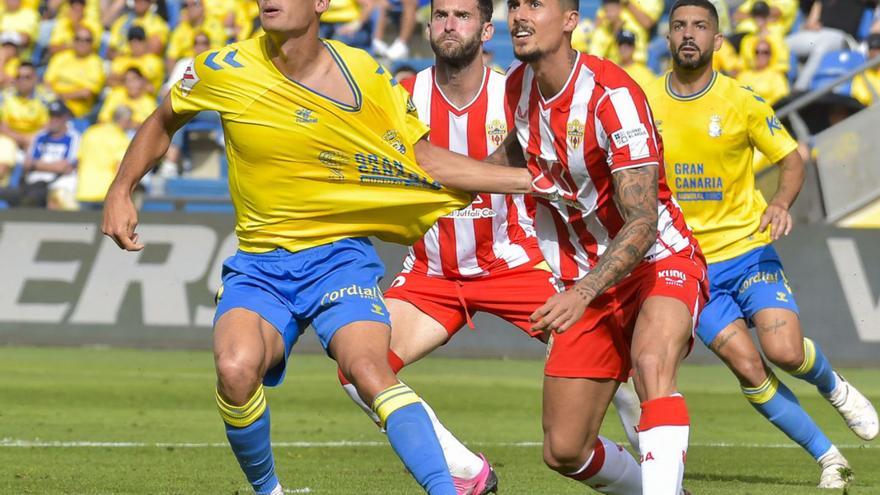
711,128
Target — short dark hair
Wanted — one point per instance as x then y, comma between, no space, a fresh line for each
135,71
706,4
573,4
27,65
484,7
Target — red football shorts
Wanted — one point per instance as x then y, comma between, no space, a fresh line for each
512,295
598,345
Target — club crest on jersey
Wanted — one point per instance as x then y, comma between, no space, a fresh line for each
575,132
189,80
393,138
715,126
496,131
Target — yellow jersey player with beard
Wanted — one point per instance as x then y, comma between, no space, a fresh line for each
322,147
711,128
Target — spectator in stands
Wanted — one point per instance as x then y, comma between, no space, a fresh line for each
349,21
761,15
399,48
23,114
150,65
764,78
201,42
404,71
780,17
133,95
51,157
637,17
77,76
21,20
626,44
727,60
871,77
103,146
237,16
66,24
825,29
10,43
8,158
142,16
192,21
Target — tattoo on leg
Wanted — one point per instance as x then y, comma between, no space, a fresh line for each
772,328
719,343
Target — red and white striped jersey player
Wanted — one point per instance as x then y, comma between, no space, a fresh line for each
632,273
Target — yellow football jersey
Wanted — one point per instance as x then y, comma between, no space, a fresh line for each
709,140
306,170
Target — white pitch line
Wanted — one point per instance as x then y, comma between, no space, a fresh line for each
298,490
15,443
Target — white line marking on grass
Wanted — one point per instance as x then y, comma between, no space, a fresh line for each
298,490
13,443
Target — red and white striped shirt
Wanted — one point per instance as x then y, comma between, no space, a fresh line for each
496,232
598,124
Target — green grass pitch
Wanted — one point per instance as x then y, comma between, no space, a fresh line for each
111,421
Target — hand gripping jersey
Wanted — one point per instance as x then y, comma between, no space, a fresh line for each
598,124
709,160
496,231
306,170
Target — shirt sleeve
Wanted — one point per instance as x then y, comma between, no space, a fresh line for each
623,114
413,128
201,88
766,132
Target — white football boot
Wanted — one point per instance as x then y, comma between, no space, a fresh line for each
856,409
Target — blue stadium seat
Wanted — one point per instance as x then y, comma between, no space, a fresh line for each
865,26
835,64
588,8
792,67
500,45
418,64
189,187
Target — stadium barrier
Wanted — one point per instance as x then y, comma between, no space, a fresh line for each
63,283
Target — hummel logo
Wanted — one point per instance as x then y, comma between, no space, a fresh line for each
304,116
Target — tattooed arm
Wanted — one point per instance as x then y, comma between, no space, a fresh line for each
509,154
635,193
791,179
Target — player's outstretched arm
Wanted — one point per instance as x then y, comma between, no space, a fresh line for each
791,179
635,193
148,146
466,174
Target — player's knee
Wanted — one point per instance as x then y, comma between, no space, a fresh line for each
652,363
787,359
563,455
368,373
749,370
237,379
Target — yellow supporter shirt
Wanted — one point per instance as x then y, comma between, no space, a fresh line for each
64,30
727,60
640,73
151,67
100,152
769,83
141,108
860,84
183,36
603,41
67,72
25,5
23,115
152,24
23,20
787,8
306,170
709,141
341,12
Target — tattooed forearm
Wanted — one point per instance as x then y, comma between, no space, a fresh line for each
635,193
509,154
791,179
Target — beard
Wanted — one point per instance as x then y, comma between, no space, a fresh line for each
701,60
457,55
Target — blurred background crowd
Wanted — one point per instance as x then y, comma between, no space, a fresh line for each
79,76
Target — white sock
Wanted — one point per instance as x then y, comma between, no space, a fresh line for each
628,410
462,462
610,469
663,438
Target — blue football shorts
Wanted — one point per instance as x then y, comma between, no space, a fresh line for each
327,286
742,286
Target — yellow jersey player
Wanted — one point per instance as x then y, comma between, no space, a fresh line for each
322,147
711,127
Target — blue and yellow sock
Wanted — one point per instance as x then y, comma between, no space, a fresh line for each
779,405
412,437
816,369
247,428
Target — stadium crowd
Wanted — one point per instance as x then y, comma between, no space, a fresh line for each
79,76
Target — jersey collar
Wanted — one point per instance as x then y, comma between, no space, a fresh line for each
690,97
